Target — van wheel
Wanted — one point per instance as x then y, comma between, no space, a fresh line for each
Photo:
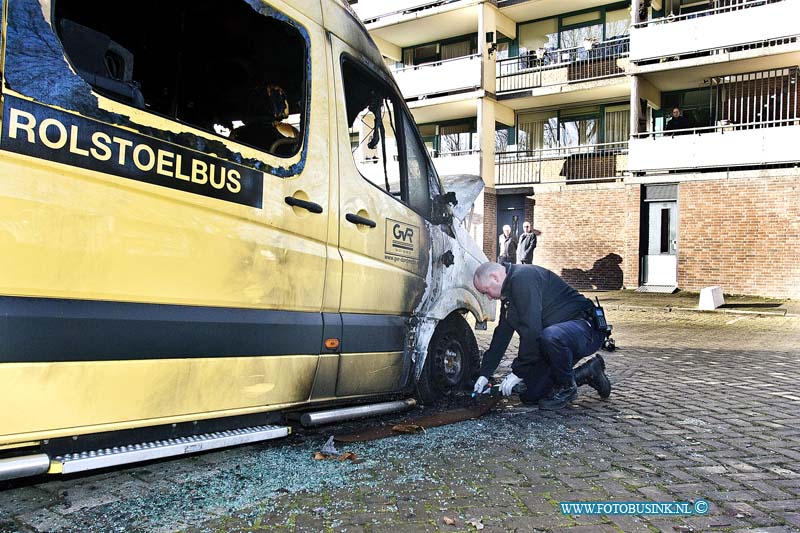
451,362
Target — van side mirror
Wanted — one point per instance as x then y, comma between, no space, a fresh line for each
440,210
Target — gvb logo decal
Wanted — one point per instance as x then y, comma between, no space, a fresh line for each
402,240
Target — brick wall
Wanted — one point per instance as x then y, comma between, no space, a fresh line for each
741,234
529,213
630,266
489,222
585,234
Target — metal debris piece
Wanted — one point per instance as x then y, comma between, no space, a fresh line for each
408,428
329,448
477,524
426,422
449,521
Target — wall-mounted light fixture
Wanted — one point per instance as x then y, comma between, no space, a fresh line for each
490,41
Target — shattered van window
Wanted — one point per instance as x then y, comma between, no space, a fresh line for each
237,69
372,115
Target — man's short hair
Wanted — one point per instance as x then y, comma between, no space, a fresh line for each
483,271
506,227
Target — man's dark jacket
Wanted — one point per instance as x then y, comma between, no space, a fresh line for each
678,123
533,299
527,242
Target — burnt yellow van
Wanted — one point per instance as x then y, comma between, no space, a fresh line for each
216,214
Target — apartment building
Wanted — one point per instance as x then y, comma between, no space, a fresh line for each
564,107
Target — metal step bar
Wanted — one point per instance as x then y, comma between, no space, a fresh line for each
147,451
24,466
362,411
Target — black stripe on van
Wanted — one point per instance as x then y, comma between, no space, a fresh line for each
54,330
373,333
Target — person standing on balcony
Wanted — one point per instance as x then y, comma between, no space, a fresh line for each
556,329
507,252
677,122
526,244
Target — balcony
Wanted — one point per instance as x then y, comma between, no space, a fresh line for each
721,146
754,120
739,25
373,12
542,68
573,164
440,77
461,162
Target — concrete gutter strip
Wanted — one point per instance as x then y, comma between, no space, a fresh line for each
669,308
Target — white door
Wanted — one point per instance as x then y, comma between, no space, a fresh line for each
661,261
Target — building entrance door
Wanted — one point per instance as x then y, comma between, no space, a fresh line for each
511,211
661,259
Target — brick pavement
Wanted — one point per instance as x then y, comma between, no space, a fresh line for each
704,406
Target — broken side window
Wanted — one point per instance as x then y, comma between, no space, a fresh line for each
228,68
372,114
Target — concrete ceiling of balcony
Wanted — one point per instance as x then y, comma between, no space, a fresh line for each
428,25
526,10
691,73
446,108
567,95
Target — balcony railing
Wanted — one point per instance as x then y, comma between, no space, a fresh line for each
722,6
593,162
372,10
541,68
443,77
460,162
724,145
738,25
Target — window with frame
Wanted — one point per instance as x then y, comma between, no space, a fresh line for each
457,138
386,148
206,64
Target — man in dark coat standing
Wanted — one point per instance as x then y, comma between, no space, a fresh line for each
507,246
526,244
554,323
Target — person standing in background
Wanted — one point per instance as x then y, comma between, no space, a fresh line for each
526,245
507,252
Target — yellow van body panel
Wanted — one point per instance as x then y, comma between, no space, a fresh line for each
71,398
78,234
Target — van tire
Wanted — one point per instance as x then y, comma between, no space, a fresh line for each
451,362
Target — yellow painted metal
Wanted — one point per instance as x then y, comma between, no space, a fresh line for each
75,233
16,445
49,400
325,381
365,373
374,280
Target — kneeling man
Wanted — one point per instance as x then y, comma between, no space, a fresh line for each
556,330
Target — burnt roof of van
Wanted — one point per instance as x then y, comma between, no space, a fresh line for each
360,38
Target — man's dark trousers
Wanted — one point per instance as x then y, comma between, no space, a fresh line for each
562,346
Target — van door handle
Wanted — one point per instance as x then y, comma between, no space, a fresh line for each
356,219
309,206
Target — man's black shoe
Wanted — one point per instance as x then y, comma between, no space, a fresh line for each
592,373
560,397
